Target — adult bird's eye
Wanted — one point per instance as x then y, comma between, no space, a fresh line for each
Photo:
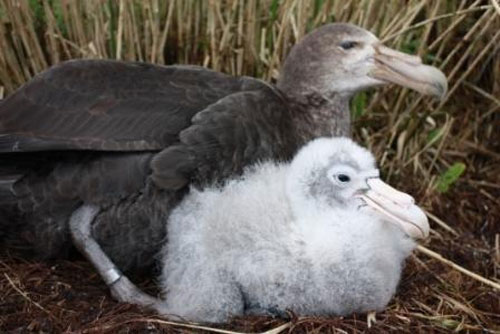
346,45
343,178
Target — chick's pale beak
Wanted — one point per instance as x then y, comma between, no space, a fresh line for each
408,71
397,208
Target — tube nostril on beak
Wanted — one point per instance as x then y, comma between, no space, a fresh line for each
383,50
385,190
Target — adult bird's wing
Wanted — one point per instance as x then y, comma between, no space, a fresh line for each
239,130
224,138
109,106
86,131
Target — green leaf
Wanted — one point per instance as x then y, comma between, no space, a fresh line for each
113,14
318,5
274,10
58,14
450,176
429,58
450,324
37,8
410,46
358,105
434,135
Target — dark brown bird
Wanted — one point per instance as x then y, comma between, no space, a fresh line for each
130,137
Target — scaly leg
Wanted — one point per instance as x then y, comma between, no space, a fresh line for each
121,287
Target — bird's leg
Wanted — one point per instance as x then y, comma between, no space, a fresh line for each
371,318
121,287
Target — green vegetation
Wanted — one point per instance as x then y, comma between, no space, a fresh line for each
358,105
448,178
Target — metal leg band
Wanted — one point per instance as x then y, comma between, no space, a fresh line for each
111,276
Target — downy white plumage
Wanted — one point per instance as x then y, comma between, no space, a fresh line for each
320,235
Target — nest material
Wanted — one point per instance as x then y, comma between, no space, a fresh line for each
68,296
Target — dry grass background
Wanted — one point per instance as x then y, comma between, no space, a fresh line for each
423,146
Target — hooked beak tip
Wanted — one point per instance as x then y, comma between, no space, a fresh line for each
440,88
406,70
397,207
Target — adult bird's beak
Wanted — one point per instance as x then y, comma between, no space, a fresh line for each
397,207
408,71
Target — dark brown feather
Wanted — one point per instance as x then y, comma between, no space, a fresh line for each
86,132
110,106
238,130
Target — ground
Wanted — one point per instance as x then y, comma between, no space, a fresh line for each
68,296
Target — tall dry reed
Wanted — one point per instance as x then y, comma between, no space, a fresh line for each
252,37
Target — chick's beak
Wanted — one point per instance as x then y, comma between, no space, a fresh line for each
396,207
408,71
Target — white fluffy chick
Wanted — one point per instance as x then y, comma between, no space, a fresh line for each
322,235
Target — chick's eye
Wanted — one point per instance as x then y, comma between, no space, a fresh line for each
346,45
343,178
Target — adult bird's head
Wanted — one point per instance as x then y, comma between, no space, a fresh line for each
337,175
342,59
